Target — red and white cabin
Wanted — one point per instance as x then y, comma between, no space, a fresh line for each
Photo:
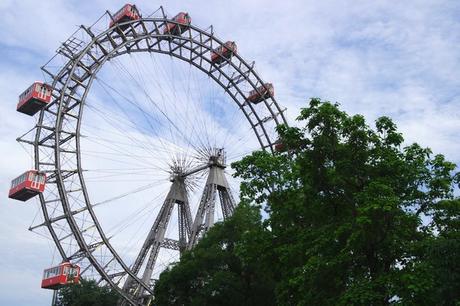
280,147
60,276
27,185
224,52
126,13
34,98
262,92
183,22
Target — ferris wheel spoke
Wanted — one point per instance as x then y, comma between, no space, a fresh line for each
154,104
118,133
183,116
154,107
203,127
119,123
122,162
119,154
196,123
122,148
204,99
112,173
120,196
144,212
138,163
145,115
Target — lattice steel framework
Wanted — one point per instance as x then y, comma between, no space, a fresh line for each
67,209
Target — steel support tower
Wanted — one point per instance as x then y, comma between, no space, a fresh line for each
216,185
189,234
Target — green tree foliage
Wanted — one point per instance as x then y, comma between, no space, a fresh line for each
354,218
443,252
87,293
228,267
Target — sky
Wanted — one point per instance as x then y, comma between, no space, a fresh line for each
377,58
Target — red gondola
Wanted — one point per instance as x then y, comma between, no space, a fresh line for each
60,276
27,185
126,13
34,98
183,22
224,52
262,92
280,147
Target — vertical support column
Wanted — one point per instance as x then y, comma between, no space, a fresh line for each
210,207
185,224
155,246
216,183
227,202
155,238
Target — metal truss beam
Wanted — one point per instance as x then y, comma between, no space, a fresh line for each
156,237
204,219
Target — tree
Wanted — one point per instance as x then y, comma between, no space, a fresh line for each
354,215
87,293
227,267
354,218
443,252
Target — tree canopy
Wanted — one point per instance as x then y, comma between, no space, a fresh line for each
87,293
353,217
227,267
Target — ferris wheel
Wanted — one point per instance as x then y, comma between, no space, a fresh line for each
136,123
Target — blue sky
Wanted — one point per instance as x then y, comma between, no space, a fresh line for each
395,58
